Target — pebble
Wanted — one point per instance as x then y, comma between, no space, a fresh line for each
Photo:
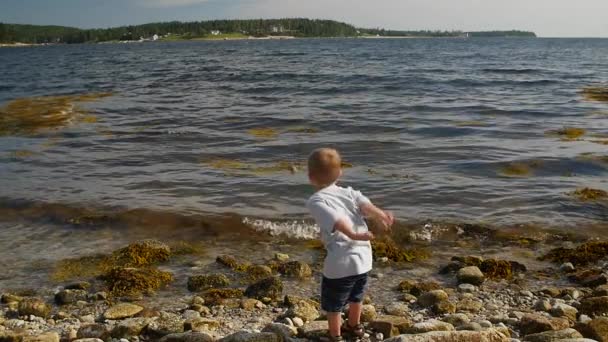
467,288
567,267
297,321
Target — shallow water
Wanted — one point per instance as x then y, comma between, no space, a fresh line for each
432,128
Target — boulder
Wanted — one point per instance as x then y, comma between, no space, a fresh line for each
266,288
390,325
398,309
431,298
490,335
205,282
470,275
304,310
296,269
64,297
313,330
368,313
536,323
595,281
50,336
189,336
553,335
564,310
167,323
469,305
457,319
34,306
130,327
122,310
244,336
94,330
285,332
444,307
430,325
598,329
594,306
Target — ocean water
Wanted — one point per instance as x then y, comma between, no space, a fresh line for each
196,133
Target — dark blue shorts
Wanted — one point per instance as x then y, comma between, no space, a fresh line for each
335,293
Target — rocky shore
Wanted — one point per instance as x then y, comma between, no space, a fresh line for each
480,300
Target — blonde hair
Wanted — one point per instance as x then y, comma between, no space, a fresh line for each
324,166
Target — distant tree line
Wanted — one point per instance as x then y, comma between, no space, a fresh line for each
11,33
256,27
428,33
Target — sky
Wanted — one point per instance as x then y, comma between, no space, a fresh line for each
548,18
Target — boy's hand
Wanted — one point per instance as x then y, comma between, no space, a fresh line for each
388,220
367,236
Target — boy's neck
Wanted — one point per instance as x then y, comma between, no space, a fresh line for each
321,187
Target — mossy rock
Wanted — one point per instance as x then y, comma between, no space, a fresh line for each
257,272
204,282
496,269
417,288
82,267
139,254
295,269
231,262
271,288
217,296
589,194
291,300
584,254
388,249
125,281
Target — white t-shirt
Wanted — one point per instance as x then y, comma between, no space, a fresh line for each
345,257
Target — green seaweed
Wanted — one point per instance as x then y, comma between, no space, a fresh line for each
584,254
126,281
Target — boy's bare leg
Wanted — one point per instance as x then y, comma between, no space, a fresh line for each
334,321
354,313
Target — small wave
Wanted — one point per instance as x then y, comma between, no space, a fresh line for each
293,229
511,71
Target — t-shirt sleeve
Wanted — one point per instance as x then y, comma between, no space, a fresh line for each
325,216
359,198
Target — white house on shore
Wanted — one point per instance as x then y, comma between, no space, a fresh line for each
155,37
216,32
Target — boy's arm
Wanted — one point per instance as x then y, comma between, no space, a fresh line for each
344,227
384,217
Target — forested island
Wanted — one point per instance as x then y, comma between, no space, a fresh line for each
217,29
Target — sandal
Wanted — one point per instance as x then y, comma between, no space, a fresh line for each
357,330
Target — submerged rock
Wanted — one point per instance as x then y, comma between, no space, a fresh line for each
204,282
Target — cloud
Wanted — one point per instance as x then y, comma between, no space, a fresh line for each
171,3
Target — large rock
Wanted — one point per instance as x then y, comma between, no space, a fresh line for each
94,330
489,335
553,335
295,269
304,310
430,325
313,330
470,275
243,336
130,327
391,325
189,336
271,288
398,309
598,329
50,336
167,323
70,296
594,306
536,323
368,313
284,331
444,307
34,306
564,310
122,310
431,298
205,282
457,319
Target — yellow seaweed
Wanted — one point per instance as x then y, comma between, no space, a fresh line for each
19,154
598,93
568,133
308,130
473,123
27,116
589,194
263,132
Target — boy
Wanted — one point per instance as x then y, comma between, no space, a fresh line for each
340,213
